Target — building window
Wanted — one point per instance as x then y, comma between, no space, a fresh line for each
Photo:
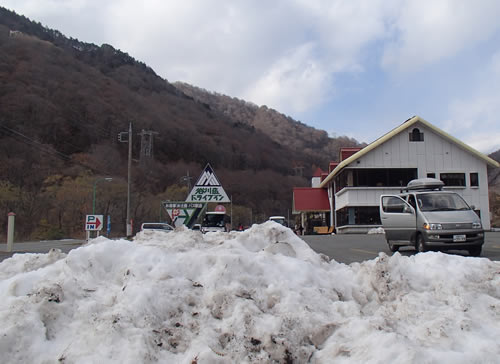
416,136
453,179
474,180
431,175
375,177
361,215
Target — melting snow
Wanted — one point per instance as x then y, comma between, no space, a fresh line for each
256,296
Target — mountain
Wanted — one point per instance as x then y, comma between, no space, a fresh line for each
63,103
279,127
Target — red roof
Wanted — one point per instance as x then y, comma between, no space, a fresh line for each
332,166
347,152
318,172
310,199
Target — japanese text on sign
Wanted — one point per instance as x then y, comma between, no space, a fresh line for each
182,205
207,194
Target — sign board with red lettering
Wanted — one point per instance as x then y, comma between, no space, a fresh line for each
183,213
93,222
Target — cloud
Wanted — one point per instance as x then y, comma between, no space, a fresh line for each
426,32
297,81
475,116
284,54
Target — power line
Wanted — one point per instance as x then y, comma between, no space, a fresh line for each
20,137
36,144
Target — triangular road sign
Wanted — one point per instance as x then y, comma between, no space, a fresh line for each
208,188
181,212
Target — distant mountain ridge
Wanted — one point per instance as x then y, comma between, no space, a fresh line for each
279,127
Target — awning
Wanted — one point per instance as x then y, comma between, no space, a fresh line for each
310,199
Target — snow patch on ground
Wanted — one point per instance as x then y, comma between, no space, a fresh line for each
379,230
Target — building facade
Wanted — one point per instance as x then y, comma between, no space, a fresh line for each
415,149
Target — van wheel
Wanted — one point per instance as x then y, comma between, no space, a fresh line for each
475,252
392,247
420,244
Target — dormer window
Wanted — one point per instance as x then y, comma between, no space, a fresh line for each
416,136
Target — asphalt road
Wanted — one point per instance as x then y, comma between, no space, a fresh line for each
344,248
349,248
43,246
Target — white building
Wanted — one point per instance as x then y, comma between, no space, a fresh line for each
415,149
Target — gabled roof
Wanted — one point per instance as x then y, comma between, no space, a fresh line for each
310,199
318,172
407,124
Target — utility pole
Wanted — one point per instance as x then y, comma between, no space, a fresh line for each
187,179
128,139
129,178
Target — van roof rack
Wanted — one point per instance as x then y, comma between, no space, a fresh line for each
425,184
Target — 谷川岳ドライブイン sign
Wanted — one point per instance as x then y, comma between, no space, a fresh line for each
208,188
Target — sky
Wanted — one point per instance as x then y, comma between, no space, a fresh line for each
357,68
256,296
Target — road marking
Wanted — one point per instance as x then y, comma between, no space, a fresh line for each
363,251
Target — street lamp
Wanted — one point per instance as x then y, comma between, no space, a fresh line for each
107,179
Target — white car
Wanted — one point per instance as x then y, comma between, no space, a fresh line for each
279,219
156,226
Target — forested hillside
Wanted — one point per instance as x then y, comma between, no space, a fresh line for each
494,190
63,103
280,128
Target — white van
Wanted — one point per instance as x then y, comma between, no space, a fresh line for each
429,218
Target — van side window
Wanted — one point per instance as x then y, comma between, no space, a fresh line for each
393,204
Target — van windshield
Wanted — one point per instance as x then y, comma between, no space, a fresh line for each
441,202
215,220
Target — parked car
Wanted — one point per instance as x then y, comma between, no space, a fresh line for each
196,227
279,219
156,226
429,218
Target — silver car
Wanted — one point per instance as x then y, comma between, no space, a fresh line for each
156,226
430,219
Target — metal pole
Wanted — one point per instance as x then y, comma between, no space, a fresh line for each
93,197
108,179
10,231
129,226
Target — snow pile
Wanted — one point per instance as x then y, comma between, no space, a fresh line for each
379,230
244,297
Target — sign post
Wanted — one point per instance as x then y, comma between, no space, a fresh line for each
10,230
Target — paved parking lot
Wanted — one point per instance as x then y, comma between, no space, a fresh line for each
349,248
40,247
344,248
